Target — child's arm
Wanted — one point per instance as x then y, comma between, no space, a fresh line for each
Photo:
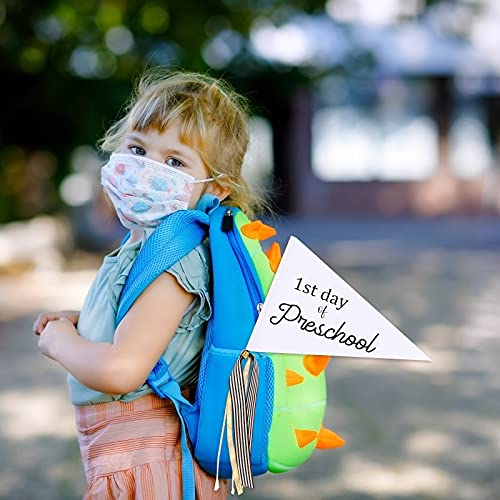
140,339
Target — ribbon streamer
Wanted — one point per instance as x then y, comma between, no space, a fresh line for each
239,416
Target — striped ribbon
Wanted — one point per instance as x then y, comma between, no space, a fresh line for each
243,384
239,415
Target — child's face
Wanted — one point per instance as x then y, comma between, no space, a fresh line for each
167,148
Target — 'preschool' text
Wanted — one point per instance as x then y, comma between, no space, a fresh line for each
292,312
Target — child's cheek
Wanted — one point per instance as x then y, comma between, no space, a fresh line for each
195,195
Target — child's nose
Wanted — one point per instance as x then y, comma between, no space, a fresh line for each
156,157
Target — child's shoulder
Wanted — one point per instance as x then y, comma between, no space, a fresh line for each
194,268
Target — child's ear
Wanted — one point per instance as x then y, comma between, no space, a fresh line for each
221,192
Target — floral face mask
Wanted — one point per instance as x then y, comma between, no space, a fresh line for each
145,191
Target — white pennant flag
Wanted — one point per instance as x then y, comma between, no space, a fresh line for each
311,310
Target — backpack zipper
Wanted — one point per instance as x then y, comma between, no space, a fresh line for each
236,244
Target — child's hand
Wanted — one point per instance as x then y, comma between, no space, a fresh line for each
45,317
55,332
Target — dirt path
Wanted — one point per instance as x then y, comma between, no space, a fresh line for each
413,431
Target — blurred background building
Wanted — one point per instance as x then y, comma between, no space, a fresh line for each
359,107
376,127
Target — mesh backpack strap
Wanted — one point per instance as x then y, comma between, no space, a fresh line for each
175,237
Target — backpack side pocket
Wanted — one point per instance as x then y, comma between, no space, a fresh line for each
218,365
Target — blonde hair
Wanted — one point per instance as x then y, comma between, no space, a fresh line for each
212,119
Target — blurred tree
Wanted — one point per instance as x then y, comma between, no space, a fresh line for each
68,67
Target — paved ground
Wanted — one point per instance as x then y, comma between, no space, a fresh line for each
413,430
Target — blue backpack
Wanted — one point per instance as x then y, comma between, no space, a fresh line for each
230,419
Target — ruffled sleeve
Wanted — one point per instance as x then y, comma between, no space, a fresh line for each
119,271
192,272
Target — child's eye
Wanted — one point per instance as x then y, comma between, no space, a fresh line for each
180,164
137,147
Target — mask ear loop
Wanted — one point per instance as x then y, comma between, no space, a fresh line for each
203,191
209,180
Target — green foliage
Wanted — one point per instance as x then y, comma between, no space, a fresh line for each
68,67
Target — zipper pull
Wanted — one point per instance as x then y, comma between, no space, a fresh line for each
227,221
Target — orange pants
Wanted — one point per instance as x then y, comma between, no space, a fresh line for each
132,451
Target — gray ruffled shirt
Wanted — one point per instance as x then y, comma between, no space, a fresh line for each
97,317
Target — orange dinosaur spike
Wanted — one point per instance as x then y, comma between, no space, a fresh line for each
251,230
293,378
304,437
256,230
329,439
315,363
274,256
266,232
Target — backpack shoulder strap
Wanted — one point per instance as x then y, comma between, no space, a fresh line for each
165,386
175,237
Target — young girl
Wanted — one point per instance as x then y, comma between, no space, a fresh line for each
176,123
